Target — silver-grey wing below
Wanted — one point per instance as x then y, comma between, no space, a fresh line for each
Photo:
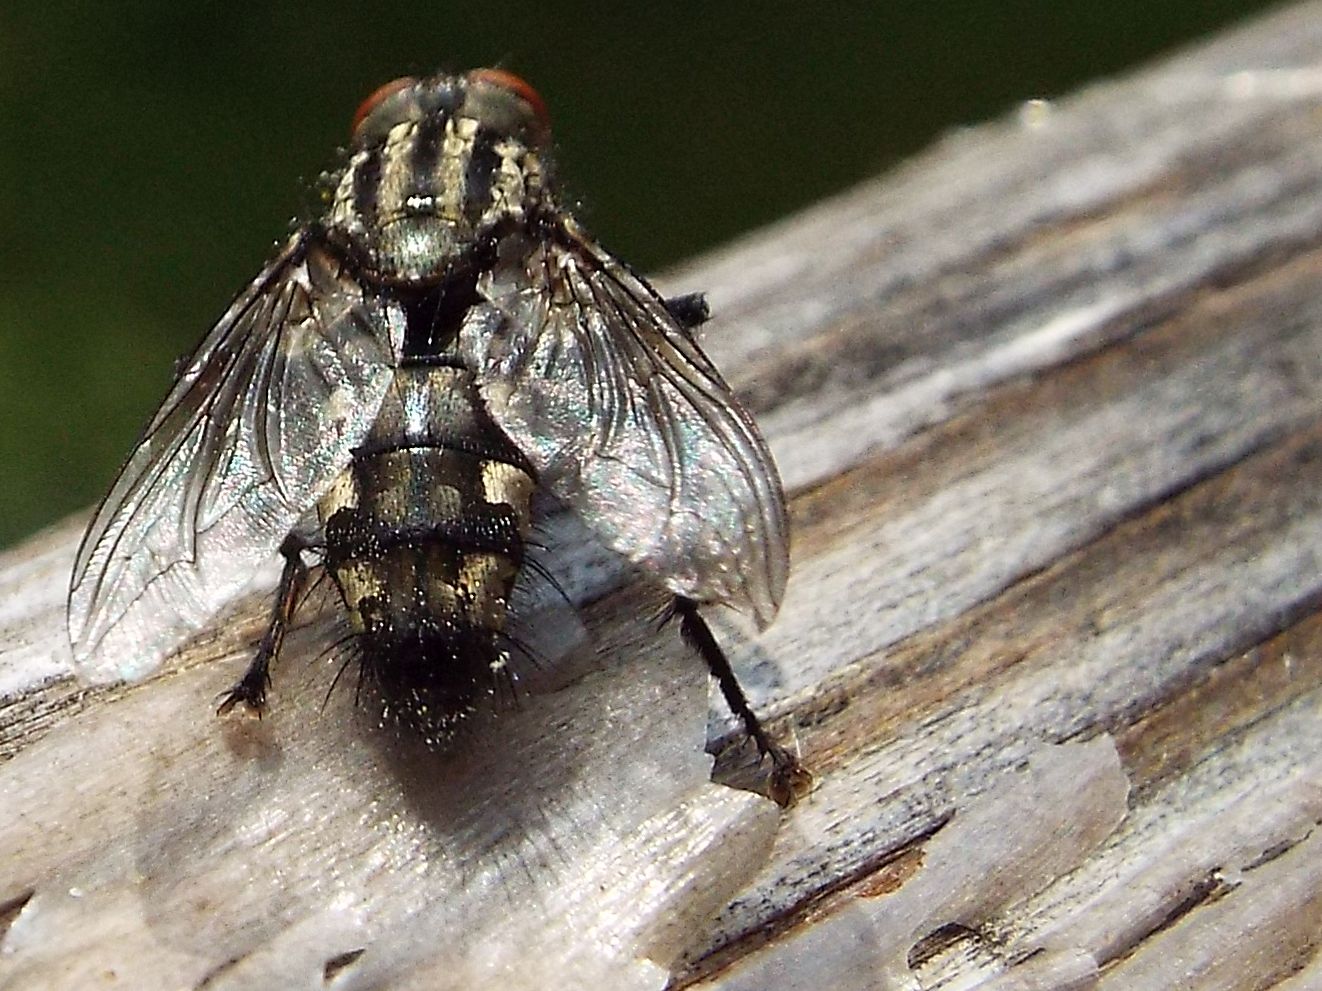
626,420
259,423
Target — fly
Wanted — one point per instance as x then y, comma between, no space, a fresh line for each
387,395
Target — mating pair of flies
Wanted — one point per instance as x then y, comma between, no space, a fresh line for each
392,389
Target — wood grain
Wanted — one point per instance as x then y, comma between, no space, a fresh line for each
1048,401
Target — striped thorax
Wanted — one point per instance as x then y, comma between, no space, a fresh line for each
435,171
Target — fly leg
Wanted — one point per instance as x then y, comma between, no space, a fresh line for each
251,688
790,780
690,311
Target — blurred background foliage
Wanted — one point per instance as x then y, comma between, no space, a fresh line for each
153,151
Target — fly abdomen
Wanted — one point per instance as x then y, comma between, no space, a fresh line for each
424,534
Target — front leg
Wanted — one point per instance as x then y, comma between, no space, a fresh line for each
690,311
251,688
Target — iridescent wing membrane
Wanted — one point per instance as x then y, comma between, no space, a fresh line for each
579,363
627,421
264,417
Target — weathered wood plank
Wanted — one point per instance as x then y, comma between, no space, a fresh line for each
1049,402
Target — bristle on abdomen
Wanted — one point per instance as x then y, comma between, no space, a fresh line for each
430,684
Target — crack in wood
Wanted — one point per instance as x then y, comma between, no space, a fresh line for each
217,972
11,909
1278,850
1207,890
942,941
881,875
339,963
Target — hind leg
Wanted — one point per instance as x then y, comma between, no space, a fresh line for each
251,688
790,780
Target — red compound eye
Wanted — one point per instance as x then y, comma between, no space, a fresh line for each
516,85
379,96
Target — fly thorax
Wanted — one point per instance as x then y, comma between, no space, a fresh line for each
420,202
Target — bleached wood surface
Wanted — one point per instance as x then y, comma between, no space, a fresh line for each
1049,403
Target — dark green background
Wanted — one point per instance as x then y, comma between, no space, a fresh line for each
151,153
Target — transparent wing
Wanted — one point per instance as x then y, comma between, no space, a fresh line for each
252,433
625,419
